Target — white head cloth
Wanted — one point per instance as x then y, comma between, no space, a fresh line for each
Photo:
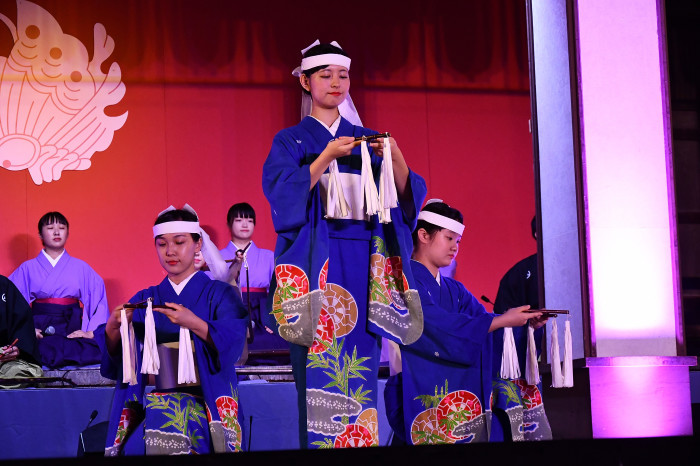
177,226
441,220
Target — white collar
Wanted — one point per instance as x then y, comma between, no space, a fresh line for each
51,260
180,286
332,128
238,248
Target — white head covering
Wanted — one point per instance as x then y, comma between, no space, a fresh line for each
347,107
441,220
177,226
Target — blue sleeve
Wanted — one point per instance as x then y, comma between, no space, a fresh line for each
228,322
286,182
456,335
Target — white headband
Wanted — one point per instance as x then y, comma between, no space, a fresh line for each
325,59
177,226
441,221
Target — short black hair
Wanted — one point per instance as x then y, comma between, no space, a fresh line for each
49,218
242,210
321,49
439,208
178,215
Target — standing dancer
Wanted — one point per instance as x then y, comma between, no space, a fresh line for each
341,255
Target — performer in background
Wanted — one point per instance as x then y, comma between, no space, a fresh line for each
194,413
446,374
67,296
255,269
523,419
341,279
18,349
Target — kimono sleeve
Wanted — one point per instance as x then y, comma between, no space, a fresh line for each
411,206
286,182
227,326
20,278
456,335
94,297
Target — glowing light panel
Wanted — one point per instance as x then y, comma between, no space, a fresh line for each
628,185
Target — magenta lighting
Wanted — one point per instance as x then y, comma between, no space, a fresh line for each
629,187
638,386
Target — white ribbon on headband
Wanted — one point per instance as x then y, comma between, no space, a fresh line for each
441,221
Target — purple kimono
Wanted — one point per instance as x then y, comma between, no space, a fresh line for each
37,279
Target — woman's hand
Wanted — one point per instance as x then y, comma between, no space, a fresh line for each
180,315
113,336
39,334
537,322
398,163
81,334
339,147
8,353
514,317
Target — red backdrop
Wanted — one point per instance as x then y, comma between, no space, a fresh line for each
208,84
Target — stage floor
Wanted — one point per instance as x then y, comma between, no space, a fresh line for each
46,422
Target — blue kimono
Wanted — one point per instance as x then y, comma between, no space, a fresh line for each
152,423
340,286
447,372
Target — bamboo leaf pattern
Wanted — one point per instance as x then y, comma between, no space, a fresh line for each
432,401
322,444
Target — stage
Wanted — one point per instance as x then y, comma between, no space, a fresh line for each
46,422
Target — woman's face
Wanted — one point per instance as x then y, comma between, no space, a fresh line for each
443,247
176,253
199,261
54,236
328,87
242,229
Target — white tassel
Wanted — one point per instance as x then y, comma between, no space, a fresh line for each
510,368
336,205
369,189
554,359
185,361
150,363
388,198
568,372
126,330
532,370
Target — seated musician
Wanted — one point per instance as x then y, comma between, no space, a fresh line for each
255,268
67,296
18,349
188,331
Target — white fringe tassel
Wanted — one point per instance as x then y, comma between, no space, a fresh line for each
554,359
185,361
151,361
532,370
510,368
568,372
126,330
388,198
336,205
369,189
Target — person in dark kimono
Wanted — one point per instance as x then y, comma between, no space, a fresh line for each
199,326
518,406
445,382
342,280
18,349
67,296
